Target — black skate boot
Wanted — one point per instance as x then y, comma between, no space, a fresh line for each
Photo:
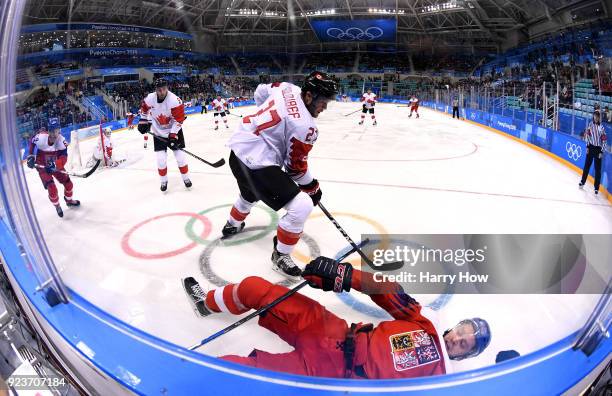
72,202
187,183
361,122
581,185
59,210
284,265
216,128
229,229
196,295
374,123
164,186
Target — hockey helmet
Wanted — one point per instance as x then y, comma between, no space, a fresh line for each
320,83
160,83
107,131
481,333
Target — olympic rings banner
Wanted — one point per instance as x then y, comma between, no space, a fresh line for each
362,30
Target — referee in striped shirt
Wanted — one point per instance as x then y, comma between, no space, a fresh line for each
595,137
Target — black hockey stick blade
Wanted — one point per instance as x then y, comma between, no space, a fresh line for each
89,172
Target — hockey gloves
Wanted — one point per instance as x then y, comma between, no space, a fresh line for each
329,275
50,167
30,161
313,190
173,141
144,126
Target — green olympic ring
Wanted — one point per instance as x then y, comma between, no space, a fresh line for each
231,242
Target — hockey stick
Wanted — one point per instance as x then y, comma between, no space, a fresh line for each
268,306
346,115
84,175
382,267
235,115
217,164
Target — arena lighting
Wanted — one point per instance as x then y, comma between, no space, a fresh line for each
384,11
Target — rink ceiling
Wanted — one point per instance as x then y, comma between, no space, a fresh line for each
427,175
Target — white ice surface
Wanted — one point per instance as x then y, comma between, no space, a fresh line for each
428,175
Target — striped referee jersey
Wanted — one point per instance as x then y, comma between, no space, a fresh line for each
596,136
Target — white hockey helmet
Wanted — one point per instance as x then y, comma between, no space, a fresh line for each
107,131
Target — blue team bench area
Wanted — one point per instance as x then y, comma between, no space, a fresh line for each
569,149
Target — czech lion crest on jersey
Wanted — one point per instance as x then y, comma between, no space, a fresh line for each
413,349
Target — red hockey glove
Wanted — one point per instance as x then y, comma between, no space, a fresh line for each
313,190
329,275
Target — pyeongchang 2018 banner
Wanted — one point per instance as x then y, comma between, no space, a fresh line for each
363,30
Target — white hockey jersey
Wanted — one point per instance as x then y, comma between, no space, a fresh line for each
219,105
107,150
369,99
281,132
46,152
166,117
262,92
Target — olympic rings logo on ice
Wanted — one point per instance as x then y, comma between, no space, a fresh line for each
573,151
355,33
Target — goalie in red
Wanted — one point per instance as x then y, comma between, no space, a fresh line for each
49,160
325,345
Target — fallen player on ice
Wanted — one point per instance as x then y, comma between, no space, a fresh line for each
326,345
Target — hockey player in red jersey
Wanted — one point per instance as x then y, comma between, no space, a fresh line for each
369,101
414,106
269,160
163,113
325,345
49,160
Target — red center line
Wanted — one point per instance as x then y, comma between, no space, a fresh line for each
465,192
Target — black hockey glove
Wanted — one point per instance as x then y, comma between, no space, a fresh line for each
30,161
329,275
144,126
313,190
173,141
50,167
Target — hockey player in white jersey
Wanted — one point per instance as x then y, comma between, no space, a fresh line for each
48,153
269,159
264,90
369,100
103,150
219,106
163,113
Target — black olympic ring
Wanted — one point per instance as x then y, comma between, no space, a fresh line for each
215,279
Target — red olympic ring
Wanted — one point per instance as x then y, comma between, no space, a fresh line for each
125,241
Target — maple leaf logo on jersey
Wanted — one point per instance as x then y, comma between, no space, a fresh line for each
163,119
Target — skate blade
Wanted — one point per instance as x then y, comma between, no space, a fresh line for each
277,269
194,304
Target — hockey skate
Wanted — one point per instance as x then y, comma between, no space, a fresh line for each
374,123
229,230
581,185
72,202
360,122
284,265
196,295
145,145
187,183
59,210
216,128
164,186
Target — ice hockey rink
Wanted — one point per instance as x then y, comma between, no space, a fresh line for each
128,245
